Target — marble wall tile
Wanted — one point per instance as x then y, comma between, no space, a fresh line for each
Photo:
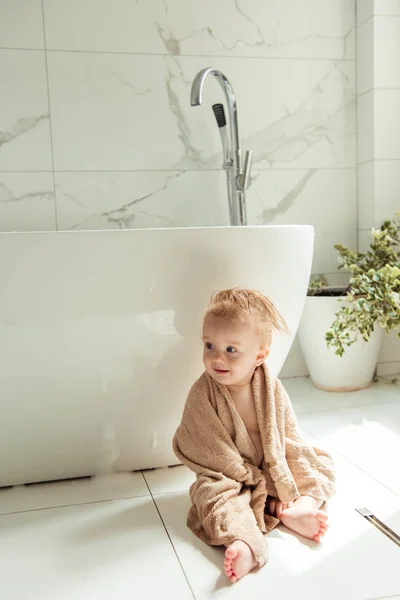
325,199
366,194
390,348
256,29
364,10
386,124
364,236
121,112
109,200
386,7
386,52
21,24
389,369
387,189
365,127
24,112
378,192
365,56
112,200
322,198
27,202
325,255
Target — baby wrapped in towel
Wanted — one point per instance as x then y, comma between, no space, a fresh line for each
240,436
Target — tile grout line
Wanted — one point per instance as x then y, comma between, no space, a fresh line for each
365,20
174,56
377,89
169,537
371,160
186,170
85,503
373,16
50,121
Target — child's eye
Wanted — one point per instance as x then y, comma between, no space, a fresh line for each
209,345
230,349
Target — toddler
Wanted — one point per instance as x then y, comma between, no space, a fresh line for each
239,435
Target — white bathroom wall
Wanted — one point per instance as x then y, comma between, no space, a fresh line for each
378,91
96,130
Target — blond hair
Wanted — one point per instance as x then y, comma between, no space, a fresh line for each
241,305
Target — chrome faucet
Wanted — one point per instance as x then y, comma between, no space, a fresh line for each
236,163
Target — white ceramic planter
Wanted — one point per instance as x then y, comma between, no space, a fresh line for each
328,371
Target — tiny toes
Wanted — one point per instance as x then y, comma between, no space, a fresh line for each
228,570
231,553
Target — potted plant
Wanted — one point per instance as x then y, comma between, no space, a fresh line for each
341,330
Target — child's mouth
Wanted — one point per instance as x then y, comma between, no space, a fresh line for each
221,371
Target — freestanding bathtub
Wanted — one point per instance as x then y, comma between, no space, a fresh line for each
100,337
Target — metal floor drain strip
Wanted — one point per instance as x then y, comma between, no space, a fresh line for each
367,514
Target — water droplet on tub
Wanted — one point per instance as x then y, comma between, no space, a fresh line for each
154,441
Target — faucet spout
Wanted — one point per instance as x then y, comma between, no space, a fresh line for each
238,179
196,98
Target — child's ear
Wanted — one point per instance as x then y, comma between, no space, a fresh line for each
262,355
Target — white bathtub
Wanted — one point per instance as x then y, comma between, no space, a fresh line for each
99,337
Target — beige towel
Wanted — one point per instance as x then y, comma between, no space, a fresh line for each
230,491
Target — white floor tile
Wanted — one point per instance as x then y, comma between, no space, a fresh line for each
172,479
368,436
355,561
307,398
356,489
75,491
115,549
112,543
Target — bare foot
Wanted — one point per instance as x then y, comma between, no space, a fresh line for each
239,560
311,523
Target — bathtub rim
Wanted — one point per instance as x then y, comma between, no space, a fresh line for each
142,229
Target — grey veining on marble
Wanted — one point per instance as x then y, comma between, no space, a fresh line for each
300,114
259,28
24,112
284,205
174,71
111,200
124,216
27,202
7,195
21,126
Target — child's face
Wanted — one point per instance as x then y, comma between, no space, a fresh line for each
232,351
